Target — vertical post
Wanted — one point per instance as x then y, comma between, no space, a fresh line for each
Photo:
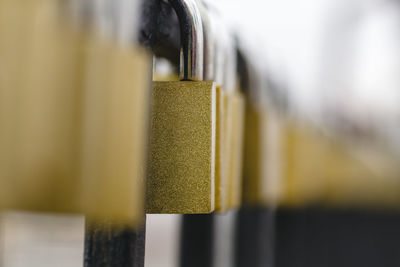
255,243
197,240
107,246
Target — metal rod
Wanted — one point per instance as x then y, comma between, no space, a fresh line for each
192,46
109,246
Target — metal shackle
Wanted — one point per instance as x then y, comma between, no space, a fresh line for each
209,35
192,41
225,55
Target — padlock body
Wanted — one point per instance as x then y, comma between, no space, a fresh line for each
236,156
181,166
114,132
74,116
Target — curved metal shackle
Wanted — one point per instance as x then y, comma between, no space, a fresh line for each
209,36
231,63
220,50
192,44
225,56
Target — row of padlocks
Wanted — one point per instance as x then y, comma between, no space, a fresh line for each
88,127
78,109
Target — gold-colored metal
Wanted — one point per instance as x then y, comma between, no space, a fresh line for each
181,174
254,164
73,114
227,150
303,156
325,170
114,131
39,107
221,177
236,156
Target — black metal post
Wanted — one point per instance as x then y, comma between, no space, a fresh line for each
255,237
197,240
107,246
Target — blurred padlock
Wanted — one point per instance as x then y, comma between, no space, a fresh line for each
234,108
304,164
320,169
255,178
116,104
39,106
223,114
183,120
236,156
74,104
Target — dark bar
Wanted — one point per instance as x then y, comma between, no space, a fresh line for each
316,237
255,237
197,240
106,246
159,30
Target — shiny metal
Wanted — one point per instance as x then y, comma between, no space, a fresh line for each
192,44
220,56
231,63
209,35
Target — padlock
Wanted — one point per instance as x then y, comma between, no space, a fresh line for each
322,169
215,55
358,175
75,110
223,115
236,157
255,179
235,104
303,156
181,165
115,119
39,106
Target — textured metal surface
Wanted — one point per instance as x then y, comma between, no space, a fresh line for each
107,246
181,175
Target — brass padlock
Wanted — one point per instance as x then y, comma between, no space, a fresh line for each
323,169
115,119
181,166
234,109
223,117
256,143
236,157
39,107
75,110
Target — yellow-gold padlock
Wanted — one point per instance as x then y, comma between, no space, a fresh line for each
236,156
181,166
115,118
75,110
323,169
39,106
223,74
255,179
234,107
303,155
